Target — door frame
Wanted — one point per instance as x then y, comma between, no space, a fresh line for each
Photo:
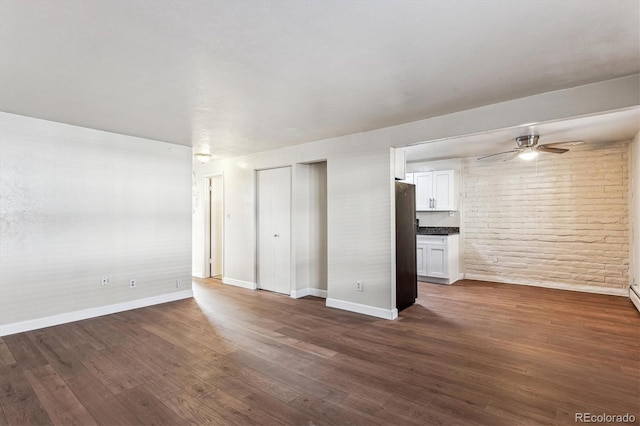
207,224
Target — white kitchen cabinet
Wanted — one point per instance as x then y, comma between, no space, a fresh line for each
436,191
438,258
437,265
421,258
424,190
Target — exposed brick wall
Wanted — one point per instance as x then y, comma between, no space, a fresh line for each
561,220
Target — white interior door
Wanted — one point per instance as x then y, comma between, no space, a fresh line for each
274,230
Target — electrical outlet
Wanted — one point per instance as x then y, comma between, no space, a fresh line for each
358,285
132,283
178,283
495,259
104,281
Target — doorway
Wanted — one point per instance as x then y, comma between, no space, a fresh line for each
215,233
274,230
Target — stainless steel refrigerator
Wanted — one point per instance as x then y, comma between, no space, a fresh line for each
406,228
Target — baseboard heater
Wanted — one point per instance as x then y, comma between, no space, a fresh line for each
634,295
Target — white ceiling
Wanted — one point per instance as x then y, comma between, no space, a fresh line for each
595,129
247,76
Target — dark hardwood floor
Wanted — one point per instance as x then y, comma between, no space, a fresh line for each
471,353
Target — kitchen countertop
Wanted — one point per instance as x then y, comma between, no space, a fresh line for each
437,230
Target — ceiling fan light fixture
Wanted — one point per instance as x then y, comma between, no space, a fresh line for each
528,154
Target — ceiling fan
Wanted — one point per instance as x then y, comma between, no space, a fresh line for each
528,148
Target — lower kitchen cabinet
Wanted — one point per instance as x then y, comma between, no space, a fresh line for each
437,258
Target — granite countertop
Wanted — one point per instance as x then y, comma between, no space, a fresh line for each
437,230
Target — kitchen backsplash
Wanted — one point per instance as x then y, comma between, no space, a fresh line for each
439,219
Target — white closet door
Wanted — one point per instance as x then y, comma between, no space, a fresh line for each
274,230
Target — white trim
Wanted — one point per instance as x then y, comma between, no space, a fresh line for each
198,274
318,293
549,284
297,294
634,298
443,281
373,311
239,283
34,324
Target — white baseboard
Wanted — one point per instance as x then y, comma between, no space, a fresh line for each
634,298
433,280
34,324
318,293
548,284
239,283
297,294
444,281
373,311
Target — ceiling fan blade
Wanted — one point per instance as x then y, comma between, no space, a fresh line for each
511,157
499,153
551,150
565,143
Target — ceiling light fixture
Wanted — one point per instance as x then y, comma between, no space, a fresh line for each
203,153
202,157
528,154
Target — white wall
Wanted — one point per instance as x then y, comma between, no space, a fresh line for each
634,201
216,198
198,223
360,190
78,204
301,218
559,221
318,226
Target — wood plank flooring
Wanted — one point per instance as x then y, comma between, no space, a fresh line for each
473,353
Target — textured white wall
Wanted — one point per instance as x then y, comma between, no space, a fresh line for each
562,220
634,273
359,227
78,204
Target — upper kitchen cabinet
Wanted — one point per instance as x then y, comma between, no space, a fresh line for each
436,191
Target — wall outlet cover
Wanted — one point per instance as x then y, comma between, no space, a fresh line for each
132,283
